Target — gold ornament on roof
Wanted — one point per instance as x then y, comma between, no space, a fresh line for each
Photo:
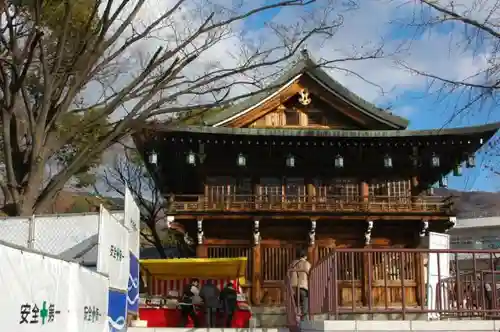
304,98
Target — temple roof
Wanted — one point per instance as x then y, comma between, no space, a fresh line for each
487,129
304,66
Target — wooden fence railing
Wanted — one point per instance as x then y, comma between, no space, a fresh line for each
249,203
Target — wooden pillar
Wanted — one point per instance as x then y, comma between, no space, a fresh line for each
256,191
311,192
201,248
312,248
310,188
364,191
256,264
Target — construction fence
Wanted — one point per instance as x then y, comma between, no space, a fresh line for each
51,234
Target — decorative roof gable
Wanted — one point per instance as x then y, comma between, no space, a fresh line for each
305,66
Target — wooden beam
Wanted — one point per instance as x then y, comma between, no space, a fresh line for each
265,108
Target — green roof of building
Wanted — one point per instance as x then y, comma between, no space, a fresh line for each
305,65
488,130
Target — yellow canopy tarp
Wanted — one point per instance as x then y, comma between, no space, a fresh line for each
202,268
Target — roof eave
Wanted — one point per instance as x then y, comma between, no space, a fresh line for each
483,129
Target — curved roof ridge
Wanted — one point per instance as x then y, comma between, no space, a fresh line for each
345,133
305,64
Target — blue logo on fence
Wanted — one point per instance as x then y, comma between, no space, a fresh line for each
133,285
117,311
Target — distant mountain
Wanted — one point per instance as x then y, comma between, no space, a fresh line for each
473,204
77,202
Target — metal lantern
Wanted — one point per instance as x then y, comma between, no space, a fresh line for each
457,170
241,160
387,161
191,158
290,161
153,158
471,161
443,182
339,161
435,162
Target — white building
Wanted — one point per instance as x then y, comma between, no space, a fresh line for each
477,233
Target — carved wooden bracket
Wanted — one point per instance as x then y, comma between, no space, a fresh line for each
425,228
368,232
199,224
256,232
312,232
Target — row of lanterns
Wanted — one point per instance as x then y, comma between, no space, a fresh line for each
241,161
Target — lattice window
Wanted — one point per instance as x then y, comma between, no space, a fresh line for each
271,189
338,188
275,261
390,188
219,187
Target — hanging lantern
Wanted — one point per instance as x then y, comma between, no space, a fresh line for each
443,182
471,161
191,158
457,170
241,160
153,158
435,162
290,161
339,161
387,161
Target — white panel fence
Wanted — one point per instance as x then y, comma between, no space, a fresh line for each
51,234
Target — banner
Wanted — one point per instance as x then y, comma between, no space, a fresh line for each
132,222
113,257
133,285
89,300
35,292
117,311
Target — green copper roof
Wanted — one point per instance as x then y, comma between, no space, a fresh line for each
305,65
488,129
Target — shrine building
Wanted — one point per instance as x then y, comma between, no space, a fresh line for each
306,164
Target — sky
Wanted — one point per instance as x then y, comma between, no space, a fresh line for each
438,50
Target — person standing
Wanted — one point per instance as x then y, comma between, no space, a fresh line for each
229,300
299,280
210,295
187,307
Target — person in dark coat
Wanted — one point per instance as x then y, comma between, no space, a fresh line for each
210,295
229,300
187,307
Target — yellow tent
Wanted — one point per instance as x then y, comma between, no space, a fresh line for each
202,268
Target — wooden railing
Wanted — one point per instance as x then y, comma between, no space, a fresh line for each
252,203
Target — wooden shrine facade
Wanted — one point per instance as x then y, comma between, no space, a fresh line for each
306,165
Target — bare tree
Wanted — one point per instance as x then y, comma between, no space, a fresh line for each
128,171
474,29
75,75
